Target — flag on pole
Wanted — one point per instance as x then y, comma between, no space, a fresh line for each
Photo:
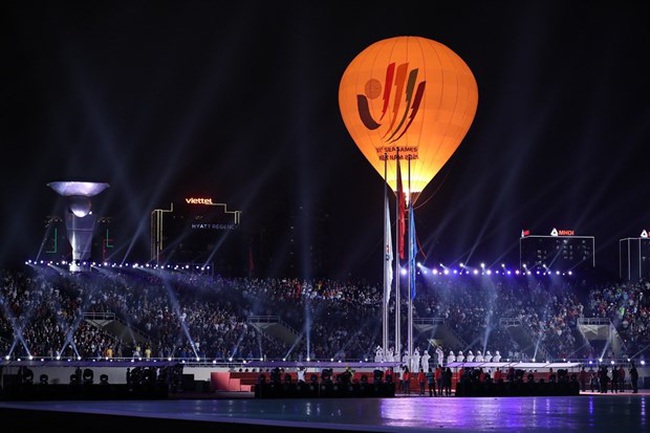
389,256
401,208
412,249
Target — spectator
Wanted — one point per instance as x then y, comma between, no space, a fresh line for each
621,378
422,381
634,377
583,378
447,376
431,382
406,380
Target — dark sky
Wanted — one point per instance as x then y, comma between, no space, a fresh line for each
239,101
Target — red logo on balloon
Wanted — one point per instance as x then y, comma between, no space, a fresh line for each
399,85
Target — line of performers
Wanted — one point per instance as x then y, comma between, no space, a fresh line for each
417,360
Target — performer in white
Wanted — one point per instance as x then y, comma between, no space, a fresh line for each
406,361
424,361
379,357
488,356
479,357
415,361
440,355
391,355
300,372
470,356
460,357
451,357
496,357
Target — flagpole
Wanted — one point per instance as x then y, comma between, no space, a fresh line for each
387,265
411,280
398,339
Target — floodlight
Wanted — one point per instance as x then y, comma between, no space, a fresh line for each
80,222
78,194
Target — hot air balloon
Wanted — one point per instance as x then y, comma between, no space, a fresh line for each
411,95
409,99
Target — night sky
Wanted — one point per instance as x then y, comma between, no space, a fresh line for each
239,101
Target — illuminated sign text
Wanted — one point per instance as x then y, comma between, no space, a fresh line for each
196,200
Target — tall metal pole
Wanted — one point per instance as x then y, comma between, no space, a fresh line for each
387,265
411,267
398,332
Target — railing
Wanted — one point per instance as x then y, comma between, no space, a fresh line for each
264,319
428,321
99,315
594,321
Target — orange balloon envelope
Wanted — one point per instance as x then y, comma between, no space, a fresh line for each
408,94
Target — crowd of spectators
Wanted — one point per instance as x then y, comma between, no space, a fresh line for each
43,313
